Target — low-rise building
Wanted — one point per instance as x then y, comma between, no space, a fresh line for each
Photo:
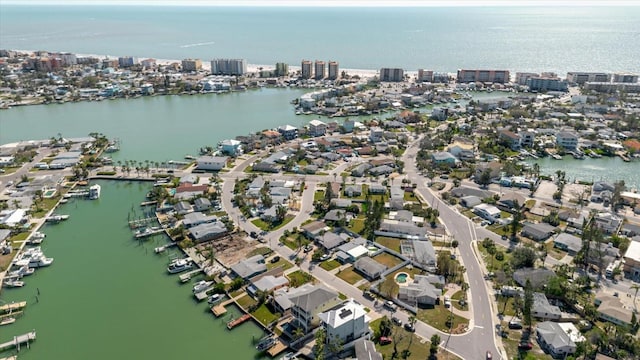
208,231
632,261
317,128
556,340
487,212
538,232
567,140
542,309
569,243
250,267
214,163
307,305
419,292
611,308
370,268
346,322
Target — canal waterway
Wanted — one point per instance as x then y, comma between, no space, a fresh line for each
108,296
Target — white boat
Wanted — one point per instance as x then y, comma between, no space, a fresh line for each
35,241
201,286
214,298
13,283
266,343
22,271
7,321
57,218
179,265
40,261
38,235
94,192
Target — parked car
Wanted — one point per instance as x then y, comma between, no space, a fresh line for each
308,248
396,321
390,305
324,257
489,356
275,259
384,340
409,327
253,234
525,345
515,324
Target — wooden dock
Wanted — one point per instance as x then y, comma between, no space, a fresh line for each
12,307
277,348
220,308
147,203
202,295
233,323
19,341
187,276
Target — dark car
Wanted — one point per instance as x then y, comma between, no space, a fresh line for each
396,321
308,248
253,234
515,325
275,259
409,327
525,345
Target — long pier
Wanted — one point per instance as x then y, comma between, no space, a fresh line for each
19,341
233,323
7,308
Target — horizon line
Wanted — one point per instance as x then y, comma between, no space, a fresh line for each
326,3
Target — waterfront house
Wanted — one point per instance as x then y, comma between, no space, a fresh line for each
317,128
612,309
231,147
11,218
197,218
419,292
554,339
182,208
213,163
345,322
542,309
307,305
538,232
208,231
288,132
370,268
267,284
250,267
511,139
567,140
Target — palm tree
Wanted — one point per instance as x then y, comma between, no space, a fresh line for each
635,287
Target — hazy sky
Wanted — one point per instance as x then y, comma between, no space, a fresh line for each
329,2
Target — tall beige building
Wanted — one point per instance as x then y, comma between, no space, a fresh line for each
191,64
320,70
306,69
334,70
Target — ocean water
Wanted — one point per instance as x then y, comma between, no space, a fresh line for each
556,39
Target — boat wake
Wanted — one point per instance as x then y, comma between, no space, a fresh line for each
197,44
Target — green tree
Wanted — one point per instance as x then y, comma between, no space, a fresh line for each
321,339
527,304
435,342
523,257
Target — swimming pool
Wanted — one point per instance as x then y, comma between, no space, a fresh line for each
48,194
401,278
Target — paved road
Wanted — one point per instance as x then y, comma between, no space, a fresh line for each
472,345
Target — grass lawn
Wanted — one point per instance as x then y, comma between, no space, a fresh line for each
292,243
318,195
389,242
19,237
264,315
11,170
357,225
553,251
508,301
491,262
5,260
455,298
387,259
468,213
437,317
419,349
299,277
284,264
246,301
264,250
329,265
45,206
349,275
269,226
409,196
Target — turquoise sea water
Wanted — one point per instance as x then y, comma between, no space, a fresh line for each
557,39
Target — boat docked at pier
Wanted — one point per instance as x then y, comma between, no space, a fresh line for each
13,283
266,342
94,192
57,218
214,298
7,321
201,286
179,265
24,270
40,261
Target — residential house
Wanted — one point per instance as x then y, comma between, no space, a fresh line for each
423,252
611,308
267,284
377,189
487,212
207,231
553,338
370,268
213,163
381,170
567,140
470,201
306,306
537,277
542,309
509,199
467,191
511,139
402,230
341,203
201,204
196,218
443,157
13,218
353,190
376,134
608,222
462,149
314,229
351,251
632,261
250,267
182,208
317,128
330,240
569,243
337,215
231,147
346,322
361,169
538,232
419,292
270,215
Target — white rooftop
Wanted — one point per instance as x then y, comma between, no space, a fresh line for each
572,331
633,252
339,316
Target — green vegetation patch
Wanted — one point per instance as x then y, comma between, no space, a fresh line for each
264,315
443,319
387,259
246,302
284,264
330,265
299,277
349,275
389,242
